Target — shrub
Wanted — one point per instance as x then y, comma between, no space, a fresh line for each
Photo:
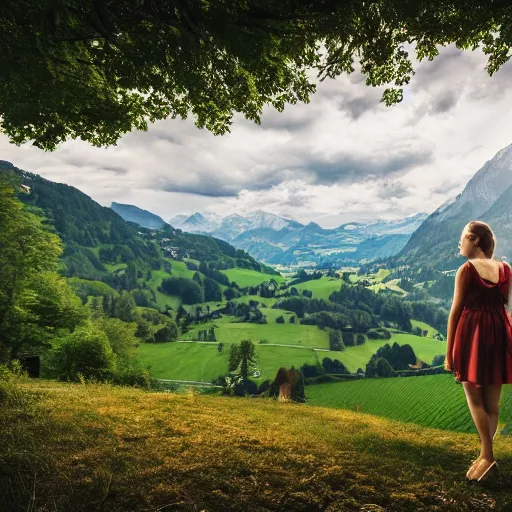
189,291
280,319
87,353
360,339
132,376
438,360
380,333
349,339
336,341
263,387
311,370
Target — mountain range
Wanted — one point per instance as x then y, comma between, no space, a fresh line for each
486,197
418,239
280,241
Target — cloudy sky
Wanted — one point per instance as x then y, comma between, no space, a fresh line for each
343,157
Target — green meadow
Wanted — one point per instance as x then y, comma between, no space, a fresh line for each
204,362
228,330
425,327
321,288
435,401
162,299
245,277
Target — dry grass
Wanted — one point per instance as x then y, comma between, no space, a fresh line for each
96,447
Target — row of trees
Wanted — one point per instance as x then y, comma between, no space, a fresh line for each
206,334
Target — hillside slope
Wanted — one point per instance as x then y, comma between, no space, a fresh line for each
121,449
435,241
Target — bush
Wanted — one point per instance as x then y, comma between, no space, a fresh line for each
333,366
247,387
84,353
311,370
379,367
360,339
10,393
280,320
336,341
349,339
438,360
132,376
263,387
168,332
189,291
292,319
417,331
379,333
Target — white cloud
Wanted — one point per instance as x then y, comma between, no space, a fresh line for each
343,157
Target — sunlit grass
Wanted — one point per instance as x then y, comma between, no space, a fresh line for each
95,447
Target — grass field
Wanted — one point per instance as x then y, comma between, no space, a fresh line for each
203,362
157,276
96,447
322,287
179,269
245,277
113,267
268,302
431,401
357,357
424,327
174,361
229,331
184,361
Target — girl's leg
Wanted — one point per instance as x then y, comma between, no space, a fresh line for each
492,406
475,399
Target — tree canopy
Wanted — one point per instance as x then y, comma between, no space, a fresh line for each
96,69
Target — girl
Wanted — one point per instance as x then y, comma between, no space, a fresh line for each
479,341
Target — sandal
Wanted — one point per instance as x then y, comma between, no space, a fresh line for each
481,472
472,467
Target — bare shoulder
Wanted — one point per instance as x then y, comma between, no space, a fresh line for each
463,268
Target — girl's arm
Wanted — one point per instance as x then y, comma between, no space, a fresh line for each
509,303
461,280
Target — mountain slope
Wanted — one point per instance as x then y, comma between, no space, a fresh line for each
96,238
77,218
144,218
499,217
351,242
435,241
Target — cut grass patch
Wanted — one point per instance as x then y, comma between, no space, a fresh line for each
431,400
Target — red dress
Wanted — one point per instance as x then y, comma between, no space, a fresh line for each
482,348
